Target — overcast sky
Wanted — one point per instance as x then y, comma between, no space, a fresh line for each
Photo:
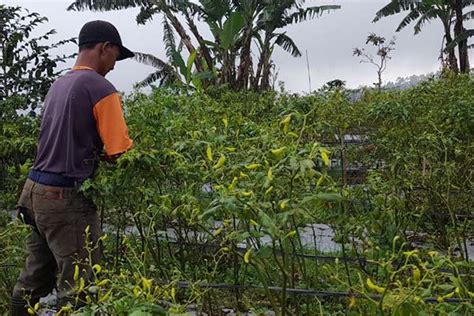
329,41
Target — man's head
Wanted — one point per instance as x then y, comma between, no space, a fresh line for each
100,44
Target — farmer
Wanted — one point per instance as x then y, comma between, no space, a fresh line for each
81,118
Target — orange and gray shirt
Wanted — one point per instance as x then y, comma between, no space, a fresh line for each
81,117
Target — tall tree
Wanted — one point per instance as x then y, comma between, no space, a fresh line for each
275,16
459,31
383,49
27,66
449,12
234,25
421,12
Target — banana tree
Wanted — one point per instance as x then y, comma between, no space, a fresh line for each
203,57
421,12
275,16
148,8
460,32
233,25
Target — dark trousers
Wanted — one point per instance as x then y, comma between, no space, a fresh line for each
59,217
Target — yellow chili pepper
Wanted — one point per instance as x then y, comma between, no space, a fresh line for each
283,204
286,123
293,134
372,286
220,162
76,272
253,166
103,282
97,268
82,284
243,175
209,153
136,291
269,190
146,283
270,174
278,151
352,302
247,256
232,185
105,297
416,274
324,156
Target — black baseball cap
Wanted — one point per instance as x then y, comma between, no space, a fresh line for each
102,31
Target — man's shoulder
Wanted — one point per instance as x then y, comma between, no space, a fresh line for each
89,82
92,80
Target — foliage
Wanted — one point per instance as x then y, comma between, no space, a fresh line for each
423,147
449,12
226,58
383,51
12,253
27,66
17,148
223,188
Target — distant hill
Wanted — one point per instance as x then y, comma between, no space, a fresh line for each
408,82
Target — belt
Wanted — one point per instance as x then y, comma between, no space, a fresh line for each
53,179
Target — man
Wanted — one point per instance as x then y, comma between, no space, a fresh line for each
81,117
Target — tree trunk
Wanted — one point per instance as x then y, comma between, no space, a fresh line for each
204,51
379,79
261,63
267,69
184,37
458,30
245,60
452,60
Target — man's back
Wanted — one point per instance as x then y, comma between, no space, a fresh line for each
70,142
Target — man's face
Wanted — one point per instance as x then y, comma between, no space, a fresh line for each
109,54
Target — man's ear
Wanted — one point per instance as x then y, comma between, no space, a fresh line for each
103,47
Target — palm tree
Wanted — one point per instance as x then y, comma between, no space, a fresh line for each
460,32
148,8
422,12
234,24
276,15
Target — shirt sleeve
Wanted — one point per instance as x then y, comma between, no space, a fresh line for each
111,125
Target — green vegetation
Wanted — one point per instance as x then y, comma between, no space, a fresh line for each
227,57
27,64
451,13
216,205
236,178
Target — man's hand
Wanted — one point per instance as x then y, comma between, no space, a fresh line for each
111,159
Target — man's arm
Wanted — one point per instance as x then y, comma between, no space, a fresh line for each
112,128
